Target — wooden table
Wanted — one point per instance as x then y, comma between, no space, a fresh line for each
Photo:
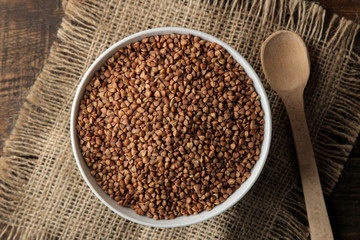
27,29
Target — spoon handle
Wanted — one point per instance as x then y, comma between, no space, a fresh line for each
314,200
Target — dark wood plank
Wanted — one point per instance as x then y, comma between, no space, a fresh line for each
349,9
344,201
27,29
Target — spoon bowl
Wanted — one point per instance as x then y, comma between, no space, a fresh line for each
289,65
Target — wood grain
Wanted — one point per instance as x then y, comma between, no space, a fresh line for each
349,9
27,30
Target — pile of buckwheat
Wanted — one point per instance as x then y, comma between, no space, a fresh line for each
170,125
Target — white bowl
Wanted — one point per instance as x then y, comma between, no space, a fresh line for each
130,214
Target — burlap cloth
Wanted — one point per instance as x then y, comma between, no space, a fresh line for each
42,192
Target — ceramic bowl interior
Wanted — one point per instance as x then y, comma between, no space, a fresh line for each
130,214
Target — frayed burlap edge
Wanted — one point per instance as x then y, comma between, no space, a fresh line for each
25,145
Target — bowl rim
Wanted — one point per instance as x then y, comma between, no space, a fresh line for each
191,219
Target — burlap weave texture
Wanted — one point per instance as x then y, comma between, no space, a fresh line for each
42,193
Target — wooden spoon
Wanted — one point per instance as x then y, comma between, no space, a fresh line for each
286,65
